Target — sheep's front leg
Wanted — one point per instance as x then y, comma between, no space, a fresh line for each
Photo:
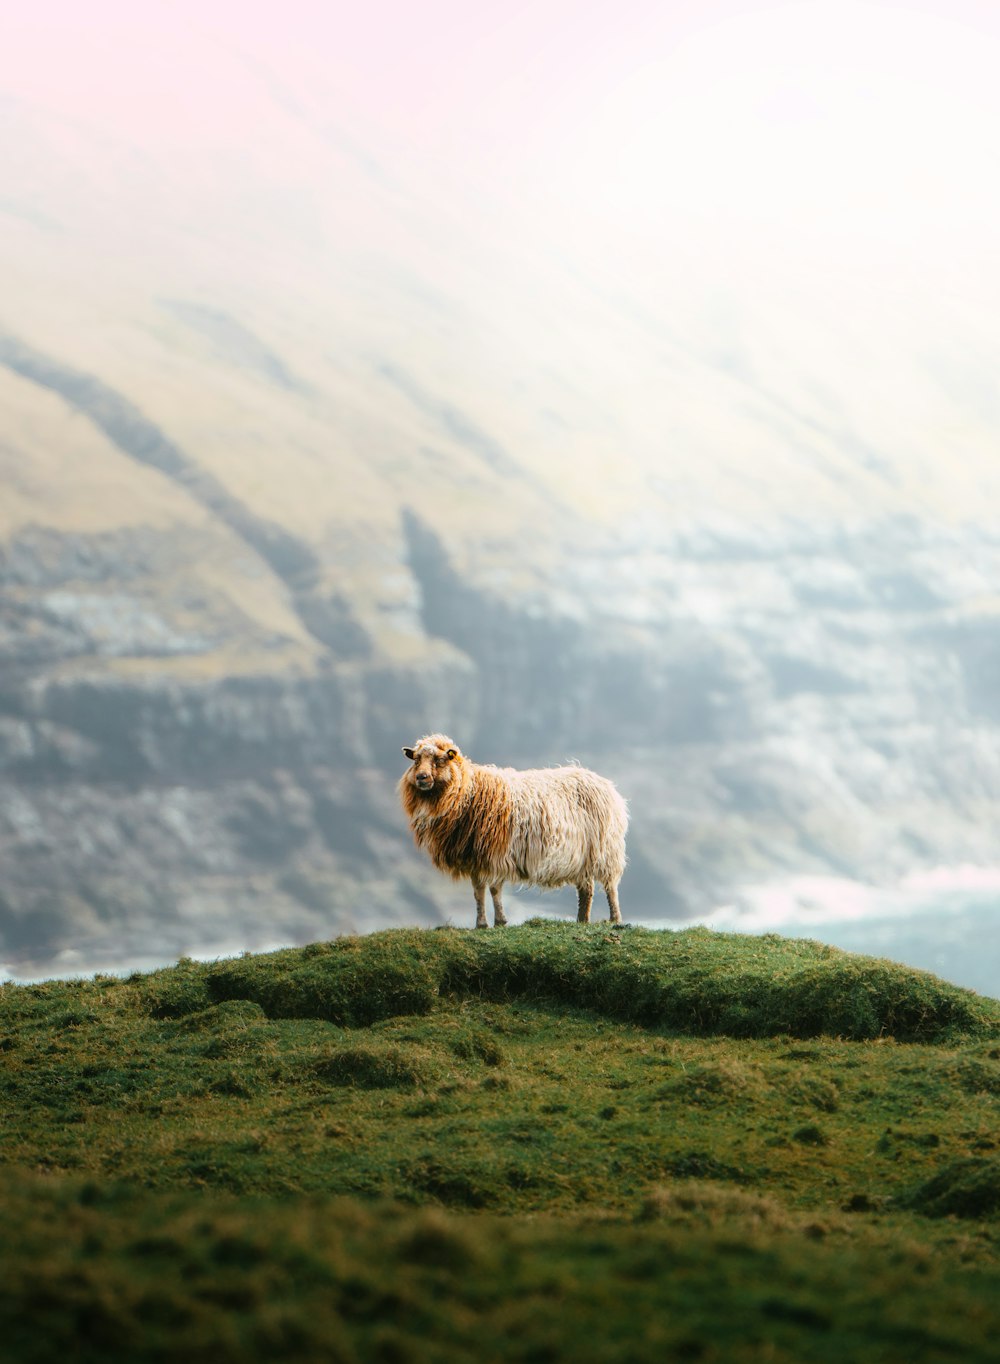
479,890
499,917
585,898
611,891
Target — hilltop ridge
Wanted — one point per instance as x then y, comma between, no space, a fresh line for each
384,1146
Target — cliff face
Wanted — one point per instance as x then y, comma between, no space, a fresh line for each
306,451
818,707
157,797
815,704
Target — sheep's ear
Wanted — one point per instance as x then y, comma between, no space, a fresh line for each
409,753
452,753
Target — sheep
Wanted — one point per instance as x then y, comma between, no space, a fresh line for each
550,826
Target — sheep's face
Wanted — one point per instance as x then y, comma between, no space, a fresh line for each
435,764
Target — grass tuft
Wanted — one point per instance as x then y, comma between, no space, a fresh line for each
386,1067
965,1188
712,1205
352,982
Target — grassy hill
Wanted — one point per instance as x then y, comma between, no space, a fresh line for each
552,1142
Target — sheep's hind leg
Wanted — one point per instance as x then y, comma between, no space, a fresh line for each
499,917
611,891
584,899
479,890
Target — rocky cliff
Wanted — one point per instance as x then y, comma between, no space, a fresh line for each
812,705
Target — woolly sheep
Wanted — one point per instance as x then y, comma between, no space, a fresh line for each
550,826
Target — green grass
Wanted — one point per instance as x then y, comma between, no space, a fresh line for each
110,1273
691,1144
696,981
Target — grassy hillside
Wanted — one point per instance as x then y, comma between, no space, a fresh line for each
565,1141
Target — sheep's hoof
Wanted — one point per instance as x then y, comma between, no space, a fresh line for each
481,923
500,923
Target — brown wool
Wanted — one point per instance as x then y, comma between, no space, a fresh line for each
545,826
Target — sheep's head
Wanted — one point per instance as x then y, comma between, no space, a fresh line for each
436,761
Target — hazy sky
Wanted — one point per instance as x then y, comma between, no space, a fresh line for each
818,178
845,126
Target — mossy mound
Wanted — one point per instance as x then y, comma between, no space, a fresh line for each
378,1067
966,1188
695,981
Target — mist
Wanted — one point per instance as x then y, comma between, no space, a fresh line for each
612,384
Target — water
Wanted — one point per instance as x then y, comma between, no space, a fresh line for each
955,937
